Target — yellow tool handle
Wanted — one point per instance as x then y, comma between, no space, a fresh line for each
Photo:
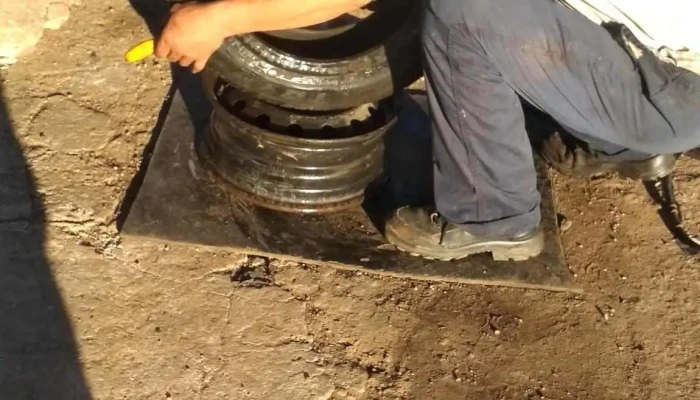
140,52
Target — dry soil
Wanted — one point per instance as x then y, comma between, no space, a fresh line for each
85,314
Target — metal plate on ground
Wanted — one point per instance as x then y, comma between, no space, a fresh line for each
180,202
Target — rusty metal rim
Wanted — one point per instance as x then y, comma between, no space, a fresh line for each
293,207
224,98
239,149
343,141
296,208
285,172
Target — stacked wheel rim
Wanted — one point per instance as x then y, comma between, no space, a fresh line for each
295,161
360,63
300,115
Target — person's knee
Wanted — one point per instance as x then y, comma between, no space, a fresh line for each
455,12
678,103
506,17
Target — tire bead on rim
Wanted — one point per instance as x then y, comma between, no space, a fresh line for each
387,60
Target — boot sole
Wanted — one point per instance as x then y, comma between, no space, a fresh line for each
501,250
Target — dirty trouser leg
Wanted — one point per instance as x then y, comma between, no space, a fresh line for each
480,53
483,165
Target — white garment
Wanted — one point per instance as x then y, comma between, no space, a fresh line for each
671,27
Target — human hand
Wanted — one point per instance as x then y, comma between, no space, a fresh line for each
193,33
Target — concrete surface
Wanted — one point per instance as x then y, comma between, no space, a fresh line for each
84,315
22,24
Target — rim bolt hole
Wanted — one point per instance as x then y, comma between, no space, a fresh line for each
327,131
240,105
357,127
295,130
262,121
380,116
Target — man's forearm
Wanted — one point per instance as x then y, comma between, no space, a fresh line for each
196,30
270,15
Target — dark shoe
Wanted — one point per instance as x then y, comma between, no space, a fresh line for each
653,168
423,232
571,156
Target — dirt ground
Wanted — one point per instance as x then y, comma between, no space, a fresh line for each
85,314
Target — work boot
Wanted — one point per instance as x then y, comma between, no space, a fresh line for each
423,232
571,156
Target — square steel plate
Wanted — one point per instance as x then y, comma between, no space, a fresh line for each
178,201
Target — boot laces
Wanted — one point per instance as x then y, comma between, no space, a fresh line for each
440,222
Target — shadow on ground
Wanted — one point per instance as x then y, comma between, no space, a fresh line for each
155,15
38,353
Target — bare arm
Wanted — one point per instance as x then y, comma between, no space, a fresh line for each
195,31
271,15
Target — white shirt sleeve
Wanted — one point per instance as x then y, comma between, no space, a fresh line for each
674,24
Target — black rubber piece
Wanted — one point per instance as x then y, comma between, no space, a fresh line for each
662,191
377,57
295,161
